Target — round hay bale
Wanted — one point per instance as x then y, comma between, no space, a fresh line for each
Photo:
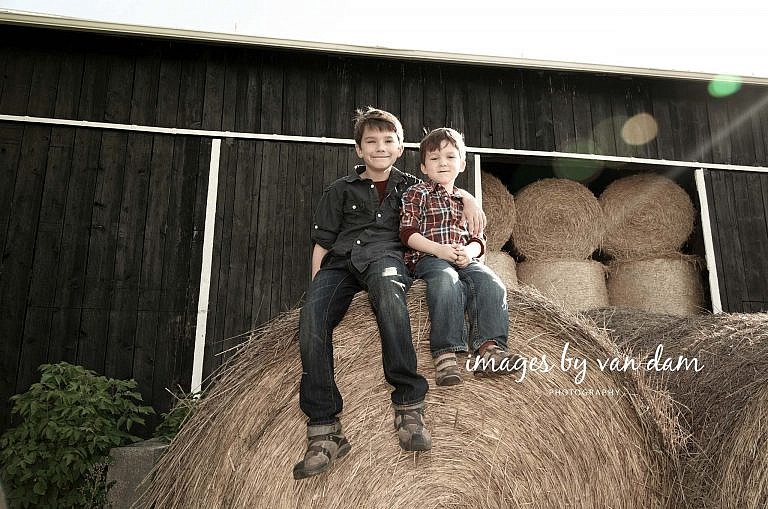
499,207
504,267
496,443
576,285
724,406
660,285
557,219
646,216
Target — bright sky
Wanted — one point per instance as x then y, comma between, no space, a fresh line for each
684,35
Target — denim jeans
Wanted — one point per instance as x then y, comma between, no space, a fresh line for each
451,291
386,280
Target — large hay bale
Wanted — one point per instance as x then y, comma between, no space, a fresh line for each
647,216
557,219
497,443
504,267
499,207
574,284
660,285
724,406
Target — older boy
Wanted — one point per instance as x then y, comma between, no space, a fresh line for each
443,253
357,248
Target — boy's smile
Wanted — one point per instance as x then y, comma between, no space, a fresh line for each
379,150
444,165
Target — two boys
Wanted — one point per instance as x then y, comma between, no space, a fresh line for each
357,247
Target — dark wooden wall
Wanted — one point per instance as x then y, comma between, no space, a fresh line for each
101,231
739,215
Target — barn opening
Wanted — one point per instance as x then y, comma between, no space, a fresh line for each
518,171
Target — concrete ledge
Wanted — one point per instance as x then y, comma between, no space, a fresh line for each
130,465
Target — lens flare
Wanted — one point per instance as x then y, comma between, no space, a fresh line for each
724,85
639,129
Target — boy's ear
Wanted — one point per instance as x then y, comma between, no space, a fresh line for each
358,150
463,165
423,169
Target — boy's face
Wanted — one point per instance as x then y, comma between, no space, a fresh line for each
443,165
379,149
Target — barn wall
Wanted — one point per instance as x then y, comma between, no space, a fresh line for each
177,84
739,215
101,232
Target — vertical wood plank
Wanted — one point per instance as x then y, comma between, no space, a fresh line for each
124,305
17,257
412,102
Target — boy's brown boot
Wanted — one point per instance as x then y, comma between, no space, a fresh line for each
325,443
495,361
446,369
411,432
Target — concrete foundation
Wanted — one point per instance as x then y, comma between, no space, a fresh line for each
130,465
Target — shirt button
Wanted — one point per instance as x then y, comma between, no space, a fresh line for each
378,215
357,242
315,227
372,186
354,207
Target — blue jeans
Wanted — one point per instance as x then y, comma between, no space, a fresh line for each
386,280
451,291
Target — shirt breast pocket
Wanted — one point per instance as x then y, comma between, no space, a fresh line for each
356,213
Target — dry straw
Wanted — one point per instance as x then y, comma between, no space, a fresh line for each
499,207
575,285
661,285
497,443
725,405
557,219
647,216
504,266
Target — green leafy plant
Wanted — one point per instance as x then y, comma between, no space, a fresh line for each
185,406
69,421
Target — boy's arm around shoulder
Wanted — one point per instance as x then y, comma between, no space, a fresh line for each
473,214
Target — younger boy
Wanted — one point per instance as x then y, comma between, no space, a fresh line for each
357,248
443,253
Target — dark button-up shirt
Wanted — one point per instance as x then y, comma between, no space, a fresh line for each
351,223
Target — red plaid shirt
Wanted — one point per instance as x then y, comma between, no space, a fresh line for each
428,209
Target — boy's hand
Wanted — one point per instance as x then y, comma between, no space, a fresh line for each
462,257
446,252
473,215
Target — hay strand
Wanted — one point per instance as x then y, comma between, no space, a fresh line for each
575,285
504,267
646,216
499,207
497,443
660,285
557,219
724,406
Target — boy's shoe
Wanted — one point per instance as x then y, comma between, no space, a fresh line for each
409,423
325,443
446,369
495,361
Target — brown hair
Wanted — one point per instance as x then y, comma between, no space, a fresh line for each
376,119
434,140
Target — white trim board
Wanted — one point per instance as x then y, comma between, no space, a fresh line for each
348,141
709,246
206,268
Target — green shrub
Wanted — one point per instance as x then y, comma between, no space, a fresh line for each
185,406
69,421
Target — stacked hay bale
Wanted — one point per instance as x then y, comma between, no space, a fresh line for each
559,225
496,443
724,406
648,219
499,206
